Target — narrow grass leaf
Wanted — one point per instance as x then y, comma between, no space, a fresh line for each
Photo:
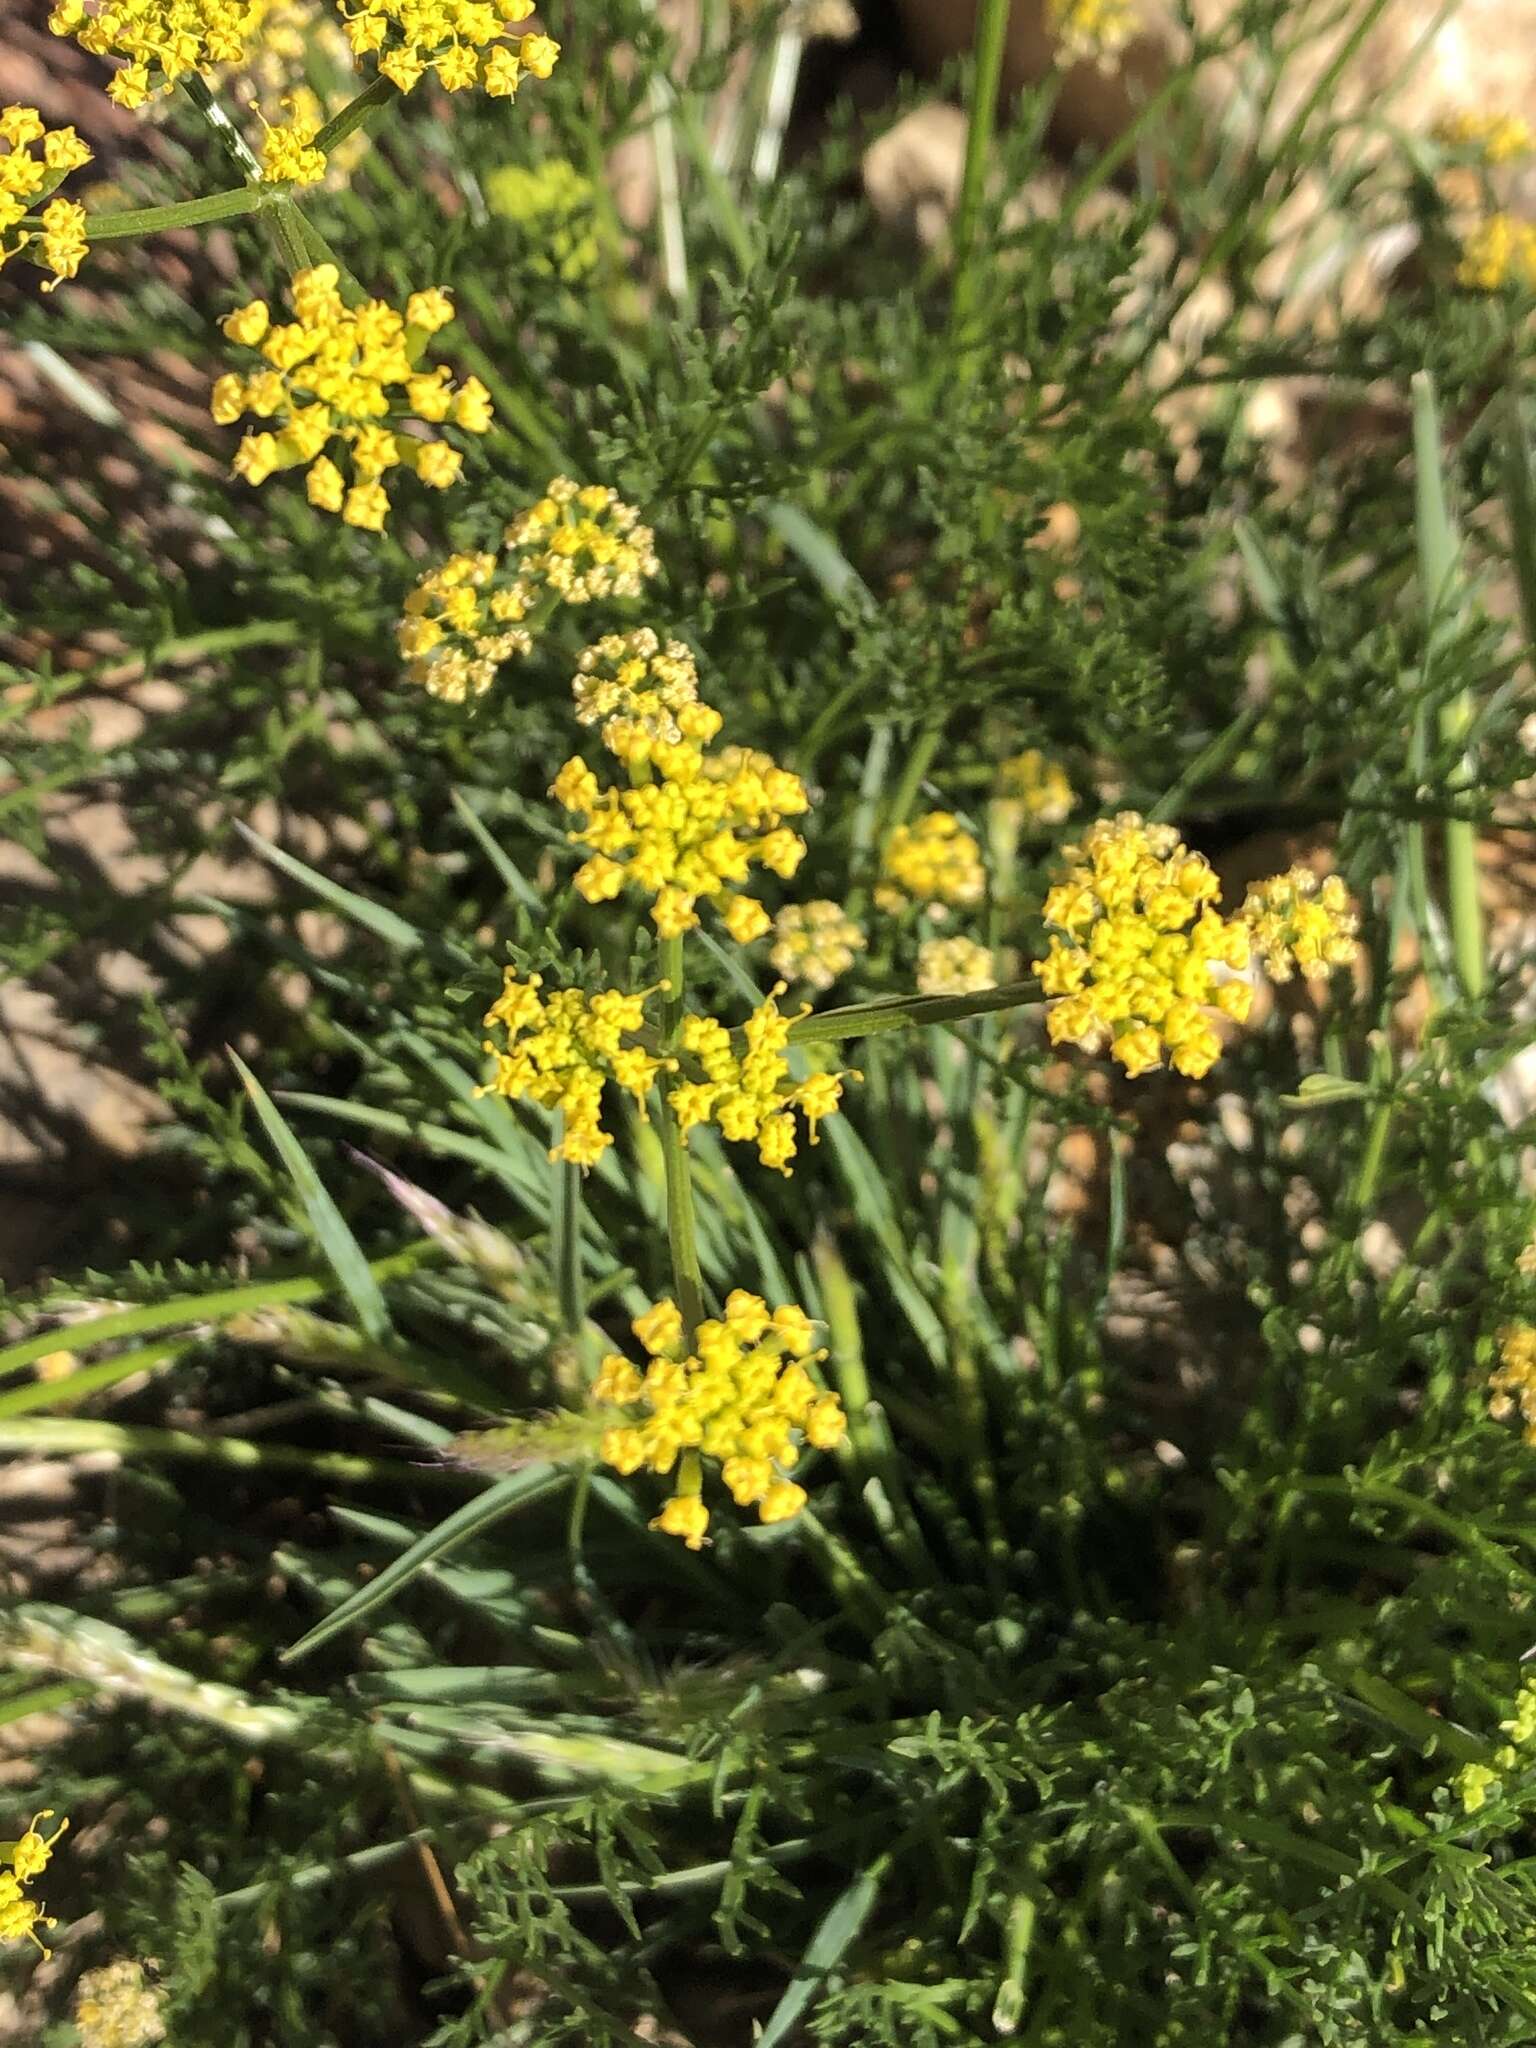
358,910
824,1952
516,1491
340,1247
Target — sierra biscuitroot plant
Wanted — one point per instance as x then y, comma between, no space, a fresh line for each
762,1542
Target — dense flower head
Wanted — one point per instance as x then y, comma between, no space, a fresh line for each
160,41
934,859
457,632
750,1093
1497,138
474,612
1500,250
1092,31
288,154
561,1049
1034,787
555,210
465,42
954,967
1301,920
1512,1383
643,694
117,2007
1477,1783
34,160
26,1859
350,376
582,542
815,942
737,1393
694,831
1140,951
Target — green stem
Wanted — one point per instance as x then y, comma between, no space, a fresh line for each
908,1013
357,113
682,1230
986,79
66,1436
1438,551
186,213
197,1308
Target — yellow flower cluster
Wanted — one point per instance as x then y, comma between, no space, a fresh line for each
751,1096
289,155
1141,951
1512,1384
1033,789
645,695
555,209
1297,920
740,1396
21,1916
1475,1782
34,160
1499,250
116,2007
464,41
582,542
456,638
1497,138
333,374
160,41
561,1049
954,967
814,943
934,859
1092,31
464,619
693,832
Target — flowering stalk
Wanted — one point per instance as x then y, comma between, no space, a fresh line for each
682,1233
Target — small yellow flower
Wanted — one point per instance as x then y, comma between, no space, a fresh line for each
475,612
1500,250
160,41
34,159
934,859
641,693
1497,138
336,374
1033,790
21,1916
1297,920
740,1398
750,1094
1512,1384
562,1049
814,943
954,967
1092,31
1140,951
288,154
464,41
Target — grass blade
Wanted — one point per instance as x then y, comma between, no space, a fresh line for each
824,1951
373,917
517,1490
341,1248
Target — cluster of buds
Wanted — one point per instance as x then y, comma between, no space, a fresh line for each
933,860
814,943
643,695
737,1393
464,619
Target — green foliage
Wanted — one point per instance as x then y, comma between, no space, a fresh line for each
1118,1687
